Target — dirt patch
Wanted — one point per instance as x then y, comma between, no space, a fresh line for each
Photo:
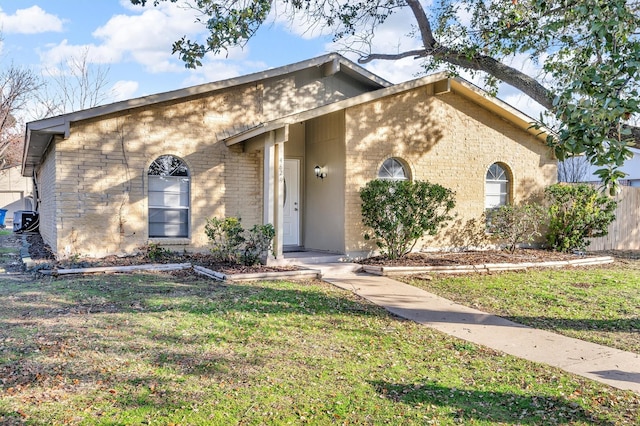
10,261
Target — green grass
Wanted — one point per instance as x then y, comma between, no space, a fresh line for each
5,232
598,304
151,349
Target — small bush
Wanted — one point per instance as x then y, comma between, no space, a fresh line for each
257,242
516,225
225,237
155,251
231,243
401,212
577,212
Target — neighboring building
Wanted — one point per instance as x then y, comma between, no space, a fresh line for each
290,146
631,168
578,169
16,193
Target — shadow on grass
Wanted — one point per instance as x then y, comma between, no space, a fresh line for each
145,314
499,407
580,324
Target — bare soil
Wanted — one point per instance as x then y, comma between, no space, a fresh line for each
10,260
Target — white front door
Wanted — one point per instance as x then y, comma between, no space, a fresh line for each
291,209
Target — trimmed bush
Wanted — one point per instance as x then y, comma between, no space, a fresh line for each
516,225
399,213
231,243
257,242
577,212
225,237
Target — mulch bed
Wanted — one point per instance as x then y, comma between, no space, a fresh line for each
472,258
41,254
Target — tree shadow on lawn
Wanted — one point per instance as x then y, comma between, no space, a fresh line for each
579,324
501,407
154,316
129,342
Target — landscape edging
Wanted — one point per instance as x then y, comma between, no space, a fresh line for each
298,273
486,267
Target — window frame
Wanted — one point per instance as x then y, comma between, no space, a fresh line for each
177,185
389,165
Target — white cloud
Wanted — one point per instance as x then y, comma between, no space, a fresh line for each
32,20
63,51
396,71
525,104
123,90
145,38
298,24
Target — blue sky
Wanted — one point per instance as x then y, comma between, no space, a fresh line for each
134,43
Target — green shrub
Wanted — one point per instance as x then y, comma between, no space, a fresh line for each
231,243
401,212
155,251
257,242
577,212
225,237
516,224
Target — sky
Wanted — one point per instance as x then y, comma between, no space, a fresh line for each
134,45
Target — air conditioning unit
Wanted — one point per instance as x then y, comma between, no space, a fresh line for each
25,221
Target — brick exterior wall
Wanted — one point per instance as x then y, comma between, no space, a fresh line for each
101,189
95,182
47,194
93,185
444,139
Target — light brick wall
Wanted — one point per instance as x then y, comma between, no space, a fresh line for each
47,194
445,139
100,199
102,173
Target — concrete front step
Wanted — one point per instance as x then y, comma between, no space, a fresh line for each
334,269
310,257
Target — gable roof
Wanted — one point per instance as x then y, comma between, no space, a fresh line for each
39,134
442,84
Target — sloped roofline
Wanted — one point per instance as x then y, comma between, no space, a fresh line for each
39,133
443,84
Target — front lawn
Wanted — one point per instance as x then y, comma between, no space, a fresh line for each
597,304
156,349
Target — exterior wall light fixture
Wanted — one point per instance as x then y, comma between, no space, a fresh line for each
320,172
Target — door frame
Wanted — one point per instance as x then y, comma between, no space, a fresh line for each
298,161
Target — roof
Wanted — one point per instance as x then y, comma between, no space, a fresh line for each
40,133
442,83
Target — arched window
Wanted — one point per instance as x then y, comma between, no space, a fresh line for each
168,197
496,187
393,169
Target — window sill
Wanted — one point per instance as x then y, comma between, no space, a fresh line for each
170,241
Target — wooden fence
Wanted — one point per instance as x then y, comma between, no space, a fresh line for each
624,232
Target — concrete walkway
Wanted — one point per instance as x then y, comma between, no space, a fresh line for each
614,367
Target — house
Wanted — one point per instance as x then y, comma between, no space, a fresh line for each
631,168
578,169
16,193
289,146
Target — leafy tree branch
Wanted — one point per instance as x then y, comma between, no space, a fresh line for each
586,54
